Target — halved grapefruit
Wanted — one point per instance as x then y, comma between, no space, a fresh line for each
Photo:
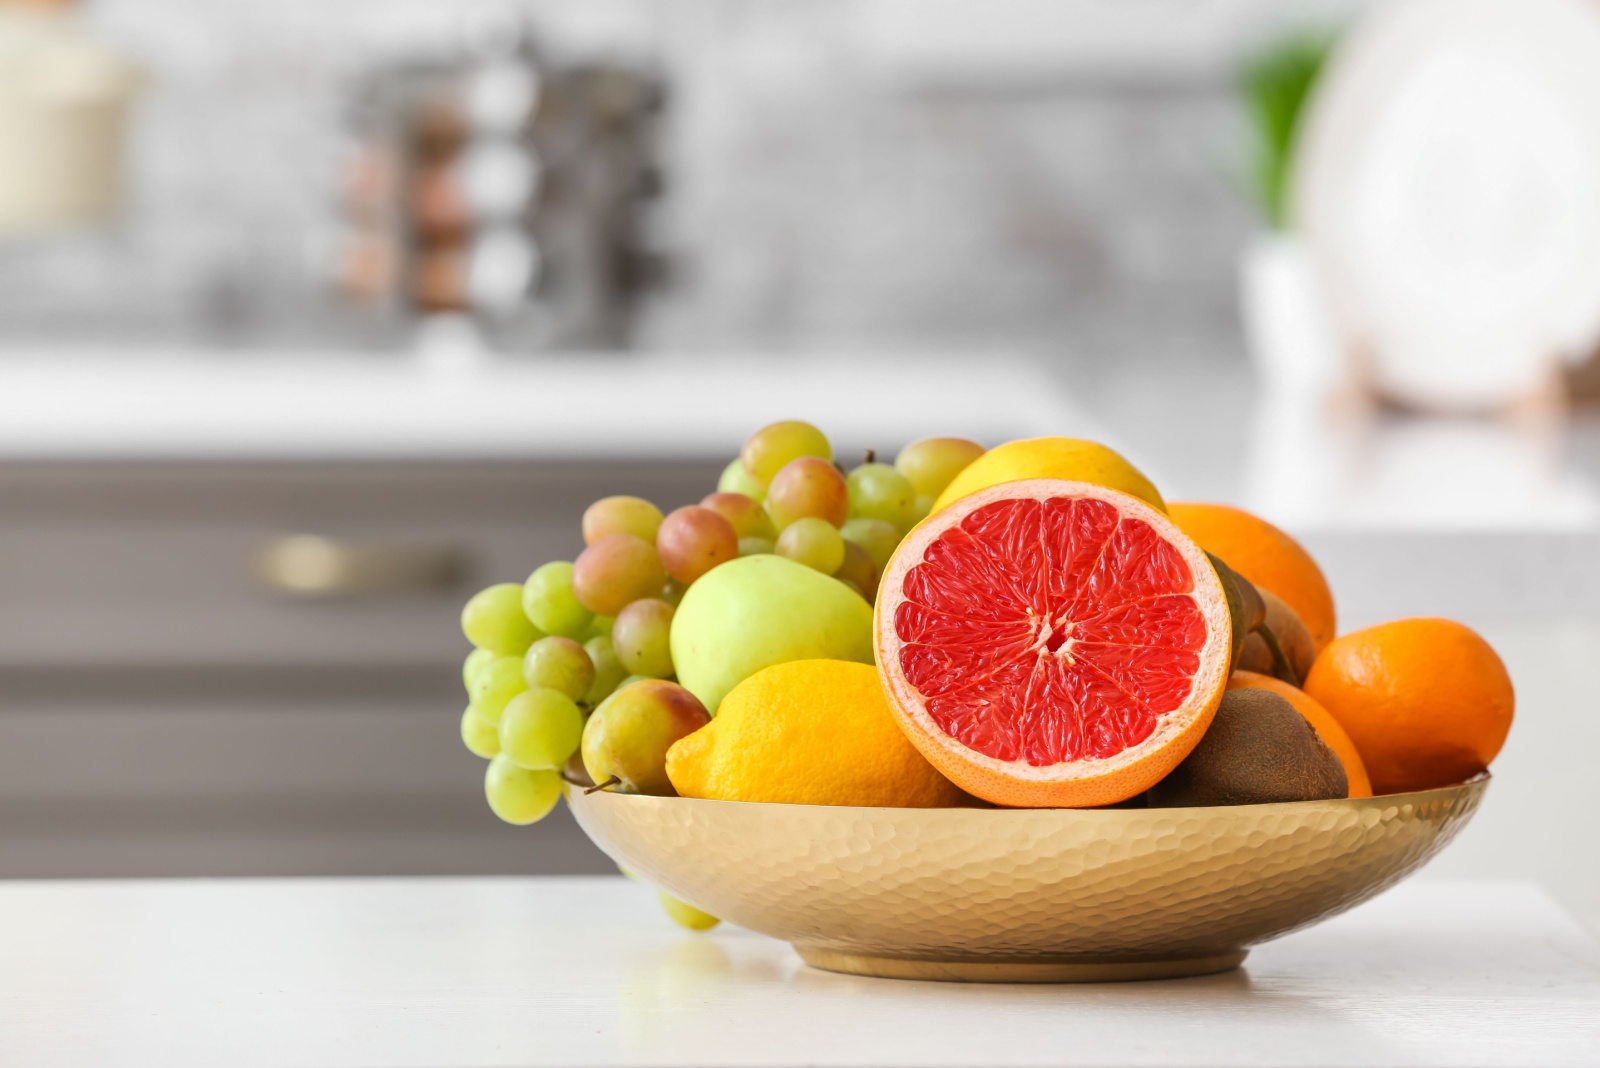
1052,644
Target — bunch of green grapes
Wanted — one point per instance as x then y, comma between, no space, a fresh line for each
844,525
571,672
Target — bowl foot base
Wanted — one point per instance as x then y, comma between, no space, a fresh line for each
1018,971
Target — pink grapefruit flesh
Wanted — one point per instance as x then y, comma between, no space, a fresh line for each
1052,644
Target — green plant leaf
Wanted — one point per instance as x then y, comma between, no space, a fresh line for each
1275,82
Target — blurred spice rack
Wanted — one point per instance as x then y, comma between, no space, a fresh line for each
498,184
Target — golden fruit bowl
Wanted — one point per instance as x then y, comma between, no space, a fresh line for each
1025,895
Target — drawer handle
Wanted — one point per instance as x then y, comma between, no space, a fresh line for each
307,565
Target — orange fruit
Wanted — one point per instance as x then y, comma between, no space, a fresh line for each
1327,728
1266,556
1426,701
1052,643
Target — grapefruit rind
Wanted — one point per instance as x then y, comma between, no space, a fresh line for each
1085,782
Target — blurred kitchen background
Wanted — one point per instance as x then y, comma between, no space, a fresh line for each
404,284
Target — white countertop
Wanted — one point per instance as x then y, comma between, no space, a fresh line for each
130,404
1200,432
469,972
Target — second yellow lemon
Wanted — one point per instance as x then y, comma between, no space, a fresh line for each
809,732
1065,458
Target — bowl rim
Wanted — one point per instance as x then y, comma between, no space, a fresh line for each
1477,782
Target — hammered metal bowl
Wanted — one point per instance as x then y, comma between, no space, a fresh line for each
1025,895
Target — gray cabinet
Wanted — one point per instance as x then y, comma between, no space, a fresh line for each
177,696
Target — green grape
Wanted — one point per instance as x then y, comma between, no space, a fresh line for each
482,738
933,463
858,570
608,670
744,514
599,627
767,450
808,487
540,729
615,571
518,795
755,546
924,507
629,680
693,540
493,619
880,539
643,637
548,600
735,479
498,682
621,515
475,663
878,491
813,542
686,915
559,663
672,591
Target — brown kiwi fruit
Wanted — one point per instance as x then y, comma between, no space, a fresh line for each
1293,639
1257,751
1246,609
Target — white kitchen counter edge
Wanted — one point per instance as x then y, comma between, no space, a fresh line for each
174,405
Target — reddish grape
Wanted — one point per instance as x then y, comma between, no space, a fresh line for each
748,518
616,571
808,487
768,449
878,538
628,736
859,570
621,515
559,664
693,540
642,637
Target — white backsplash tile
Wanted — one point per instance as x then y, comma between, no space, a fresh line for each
814,196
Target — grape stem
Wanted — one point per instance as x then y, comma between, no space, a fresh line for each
872,455
613,781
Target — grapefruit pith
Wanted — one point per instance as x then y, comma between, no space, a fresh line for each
1047,643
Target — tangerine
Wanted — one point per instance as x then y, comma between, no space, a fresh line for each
1266,556
1427,702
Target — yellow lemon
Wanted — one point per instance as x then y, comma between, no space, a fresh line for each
808,732
1065,458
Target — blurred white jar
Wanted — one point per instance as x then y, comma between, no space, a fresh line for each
1290,336
64,102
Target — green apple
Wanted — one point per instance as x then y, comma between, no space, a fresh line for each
756,611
